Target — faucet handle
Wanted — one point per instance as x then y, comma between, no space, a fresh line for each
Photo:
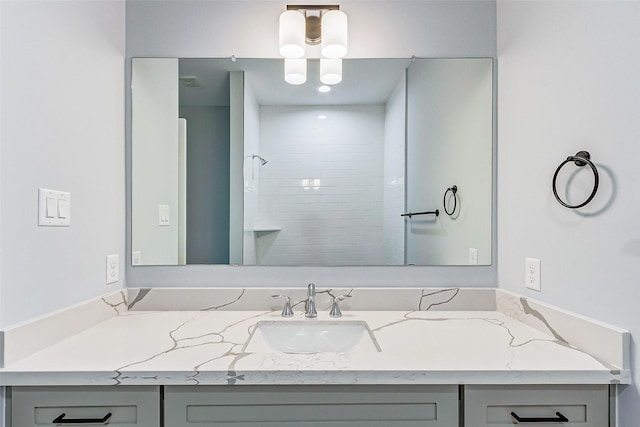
335,308
286,311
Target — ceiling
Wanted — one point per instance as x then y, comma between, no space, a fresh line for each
365,81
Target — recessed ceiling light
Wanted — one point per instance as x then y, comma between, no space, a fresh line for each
322,117
324,89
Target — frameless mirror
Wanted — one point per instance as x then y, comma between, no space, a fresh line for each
232,165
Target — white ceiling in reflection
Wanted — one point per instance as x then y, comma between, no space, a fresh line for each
364,81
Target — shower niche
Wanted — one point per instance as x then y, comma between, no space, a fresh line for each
284,175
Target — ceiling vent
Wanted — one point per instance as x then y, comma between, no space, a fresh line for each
189,81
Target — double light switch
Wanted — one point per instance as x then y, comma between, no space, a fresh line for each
163,215
54,208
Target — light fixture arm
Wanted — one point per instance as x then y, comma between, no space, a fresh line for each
313,20
312,7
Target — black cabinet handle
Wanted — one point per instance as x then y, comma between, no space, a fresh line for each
561,419
62,420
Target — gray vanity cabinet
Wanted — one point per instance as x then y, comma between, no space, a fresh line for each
531,405
312,406
317,406
130,406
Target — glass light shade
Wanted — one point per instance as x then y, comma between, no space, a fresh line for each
330,71
292,33
334,34
295,71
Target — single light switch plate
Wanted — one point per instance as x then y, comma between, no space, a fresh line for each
136,258
532,273
473,256
113,268
54,208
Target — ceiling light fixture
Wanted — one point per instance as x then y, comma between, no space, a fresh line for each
334,34
295,71
325,25
330,71
324,89
292,24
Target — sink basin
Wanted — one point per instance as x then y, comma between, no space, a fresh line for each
311,336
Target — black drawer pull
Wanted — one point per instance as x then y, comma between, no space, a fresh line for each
62,420
561,419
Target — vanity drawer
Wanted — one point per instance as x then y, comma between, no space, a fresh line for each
306,406
129,406
493,406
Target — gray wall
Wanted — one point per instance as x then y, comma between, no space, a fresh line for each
62,128
249,29
207,184
155,160
568,81
394,174
449,142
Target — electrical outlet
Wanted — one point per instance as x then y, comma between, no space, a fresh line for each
113,268
532,273
473,256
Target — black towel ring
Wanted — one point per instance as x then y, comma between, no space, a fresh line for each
453,190
580,159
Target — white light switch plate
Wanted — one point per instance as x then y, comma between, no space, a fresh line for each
163,215
113,268
54,208
473,256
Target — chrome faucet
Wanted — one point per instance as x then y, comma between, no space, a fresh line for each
286,311
335,308
310,307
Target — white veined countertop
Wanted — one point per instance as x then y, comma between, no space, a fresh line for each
205,347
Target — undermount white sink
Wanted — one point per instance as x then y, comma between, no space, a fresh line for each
311,336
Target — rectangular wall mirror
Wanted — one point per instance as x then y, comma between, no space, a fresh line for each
232,165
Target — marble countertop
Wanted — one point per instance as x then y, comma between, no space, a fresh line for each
205,347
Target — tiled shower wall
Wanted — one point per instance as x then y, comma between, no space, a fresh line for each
323,185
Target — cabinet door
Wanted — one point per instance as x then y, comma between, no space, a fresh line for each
495,406
306,406
126,406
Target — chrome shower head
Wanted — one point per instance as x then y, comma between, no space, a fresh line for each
262,159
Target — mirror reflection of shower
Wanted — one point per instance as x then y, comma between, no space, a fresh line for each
263,162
